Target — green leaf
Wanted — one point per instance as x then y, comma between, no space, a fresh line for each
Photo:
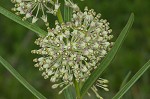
132,81
68,94
21,79
26,24
125,79
109,57
67,14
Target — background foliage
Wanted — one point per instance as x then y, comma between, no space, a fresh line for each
16,42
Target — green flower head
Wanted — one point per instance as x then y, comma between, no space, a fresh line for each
72,49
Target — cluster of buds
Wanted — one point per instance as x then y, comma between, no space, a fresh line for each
36,9
71,50
101,83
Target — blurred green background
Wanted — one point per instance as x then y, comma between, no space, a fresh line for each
16,42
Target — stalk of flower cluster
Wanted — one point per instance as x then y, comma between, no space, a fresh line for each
59,15
77,88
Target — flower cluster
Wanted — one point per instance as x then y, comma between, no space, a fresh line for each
101,83
39,7
71,50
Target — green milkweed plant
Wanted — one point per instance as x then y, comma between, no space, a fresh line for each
75,51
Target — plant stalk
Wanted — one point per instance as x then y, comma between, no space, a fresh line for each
77,88
59,15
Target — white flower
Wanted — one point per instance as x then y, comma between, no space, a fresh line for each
34,19
35,8
72,5
72,50
101,83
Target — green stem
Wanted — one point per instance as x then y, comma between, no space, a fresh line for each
76,84
59,15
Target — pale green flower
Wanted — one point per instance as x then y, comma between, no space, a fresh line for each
101,83
35,9
72,49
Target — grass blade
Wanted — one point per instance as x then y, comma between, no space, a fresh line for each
68,94
21,79
26,24
132,81
106,61
125,79
67,14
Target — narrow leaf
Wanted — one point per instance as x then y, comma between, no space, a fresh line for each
106,61
26,24
67,14
21,79
125,79
132,81
68,94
